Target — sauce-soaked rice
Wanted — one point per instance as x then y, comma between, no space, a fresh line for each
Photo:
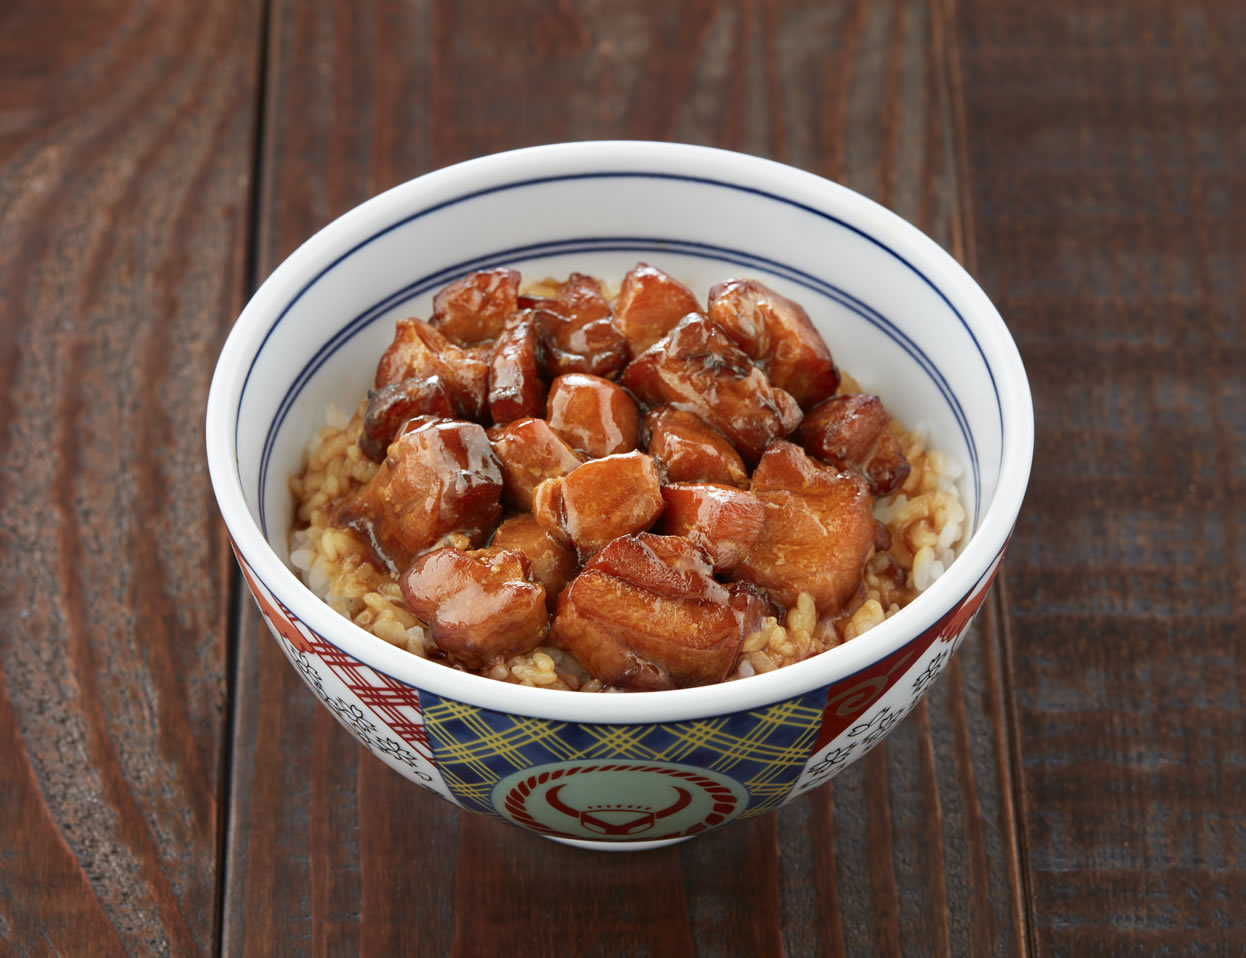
925,519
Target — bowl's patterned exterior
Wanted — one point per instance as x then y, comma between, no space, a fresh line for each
621,783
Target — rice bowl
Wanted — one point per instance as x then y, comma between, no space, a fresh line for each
905,320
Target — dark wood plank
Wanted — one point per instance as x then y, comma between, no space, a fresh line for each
732,881
409,840
276,877
947,883
36,854
1105,158
548,899
125,152
913,851
919,838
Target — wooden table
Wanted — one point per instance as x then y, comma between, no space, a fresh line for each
1074,785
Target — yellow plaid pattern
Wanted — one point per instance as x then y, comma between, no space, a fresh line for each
763,749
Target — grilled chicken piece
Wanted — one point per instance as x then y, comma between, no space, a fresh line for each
516,388
691,450
391,406
580,298
419,351
600,501
649,305
778,334
440,476
576,329
722,520
854,432
475,308
530,452
478,606
818,532
552,563
594,415
647,614
697,368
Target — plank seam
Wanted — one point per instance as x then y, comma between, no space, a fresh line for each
236,604
1013,767
944,20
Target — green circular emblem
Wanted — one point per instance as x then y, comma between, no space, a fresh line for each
619,801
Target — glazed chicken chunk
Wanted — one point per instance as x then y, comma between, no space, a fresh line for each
419,351
475,308
647,614
477,605
722,520
530,452
649,305
391,406
818,531
691,450
697,368
553,563
778,335
516,387
600,501
440,476
577,331
854,432
595,416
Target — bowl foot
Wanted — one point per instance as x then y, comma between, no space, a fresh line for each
619,846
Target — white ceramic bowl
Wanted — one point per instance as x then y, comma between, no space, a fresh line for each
627,770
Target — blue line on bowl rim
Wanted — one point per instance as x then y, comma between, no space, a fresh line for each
630,244
625,174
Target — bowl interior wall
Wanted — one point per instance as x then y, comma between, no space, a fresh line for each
888,322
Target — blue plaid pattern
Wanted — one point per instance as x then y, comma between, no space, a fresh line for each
763,749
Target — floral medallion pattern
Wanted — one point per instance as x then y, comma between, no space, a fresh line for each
864,708
383,714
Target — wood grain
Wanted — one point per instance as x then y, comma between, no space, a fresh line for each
1074,782
550,899
913,851
1105,156
125,161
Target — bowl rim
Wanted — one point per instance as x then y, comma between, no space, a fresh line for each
768,177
